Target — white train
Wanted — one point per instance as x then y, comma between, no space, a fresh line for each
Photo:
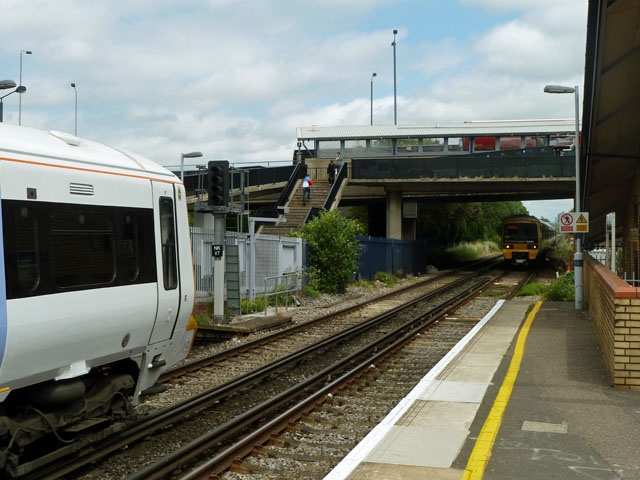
97,283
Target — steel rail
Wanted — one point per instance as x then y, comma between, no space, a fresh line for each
87,452
191,450
238,349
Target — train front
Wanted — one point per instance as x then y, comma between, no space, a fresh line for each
520,240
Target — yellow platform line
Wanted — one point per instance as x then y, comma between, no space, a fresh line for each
484,444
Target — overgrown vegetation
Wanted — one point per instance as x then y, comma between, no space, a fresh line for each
458,222
388,279
333,251
461,254
251,306
562,290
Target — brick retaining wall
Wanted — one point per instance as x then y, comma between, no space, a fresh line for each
614,307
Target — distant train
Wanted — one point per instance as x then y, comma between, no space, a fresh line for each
523,238
96,287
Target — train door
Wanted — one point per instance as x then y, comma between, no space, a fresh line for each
166,261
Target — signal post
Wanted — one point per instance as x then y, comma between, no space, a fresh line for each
218,205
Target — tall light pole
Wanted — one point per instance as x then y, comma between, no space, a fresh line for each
395,104
75,130
182,157
577,258
5,85
372,75
26,52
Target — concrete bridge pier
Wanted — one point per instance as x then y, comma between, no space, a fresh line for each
394,214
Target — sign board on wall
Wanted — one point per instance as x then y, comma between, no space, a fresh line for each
573,222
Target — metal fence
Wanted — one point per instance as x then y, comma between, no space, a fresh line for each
274,256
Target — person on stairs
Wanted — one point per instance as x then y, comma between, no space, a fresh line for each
306,189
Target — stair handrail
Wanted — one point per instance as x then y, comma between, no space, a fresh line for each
298,172
343,175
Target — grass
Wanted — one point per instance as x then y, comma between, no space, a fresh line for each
531,289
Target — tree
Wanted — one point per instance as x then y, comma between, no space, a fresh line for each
333,250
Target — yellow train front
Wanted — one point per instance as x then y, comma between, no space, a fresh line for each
522,238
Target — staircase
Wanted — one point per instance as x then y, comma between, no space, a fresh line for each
297,211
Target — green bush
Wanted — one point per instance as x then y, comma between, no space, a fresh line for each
250,306
531,289
387,278
333,251
311,292
562,290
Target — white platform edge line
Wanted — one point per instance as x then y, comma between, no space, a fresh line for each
373,438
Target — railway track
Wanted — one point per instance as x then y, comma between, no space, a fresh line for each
228,411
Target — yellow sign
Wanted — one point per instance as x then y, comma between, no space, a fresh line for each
581,219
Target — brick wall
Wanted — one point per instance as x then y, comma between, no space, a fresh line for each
614,307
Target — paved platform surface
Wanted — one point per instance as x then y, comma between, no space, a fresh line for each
562,419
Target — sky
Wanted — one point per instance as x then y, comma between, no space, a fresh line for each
233,79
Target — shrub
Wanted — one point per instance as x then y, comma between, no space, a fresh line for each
311,292
250,306
387,278
562,290
333,251
531,289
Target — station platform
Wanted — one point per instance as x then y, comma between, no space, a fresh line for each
525,395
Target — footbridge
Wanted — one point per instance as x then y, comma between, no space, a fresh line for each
391,168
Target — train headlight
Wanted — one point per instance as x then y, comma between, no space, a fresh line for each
508,246
532,247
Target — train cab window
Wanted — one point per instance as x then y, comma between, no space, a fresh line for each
168,236
130,245
82,247
27,254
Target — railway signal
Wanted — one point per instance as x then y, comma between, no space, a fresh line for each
218,183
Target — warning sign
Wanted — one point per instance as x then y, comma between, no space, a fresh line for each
574,222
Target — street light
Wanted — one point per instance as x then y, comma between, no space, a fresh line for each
372,75
577,258
26,52
182,157
395,104
75,130
4,85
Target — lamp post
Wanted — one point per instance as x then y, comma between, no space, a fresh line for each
4,85
182,157
577,258
395,104
26,52
372,75
75,129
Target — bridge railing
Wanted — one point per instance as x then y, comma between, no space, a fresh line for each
526,163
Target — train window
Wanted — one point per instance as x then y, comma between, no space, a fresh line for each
521,232
167,232
432,145
27,255
82,247
383,146
130,247
407,145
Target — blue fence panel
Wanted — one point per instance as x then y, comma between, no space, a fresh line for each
390,255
